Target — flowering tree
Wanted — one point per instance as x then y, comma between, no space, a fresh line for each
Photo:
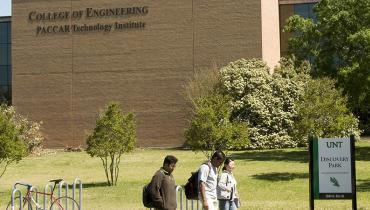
15,137
265,102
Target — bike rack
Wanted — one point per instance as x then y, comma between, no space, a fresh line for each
178,189
15,190
194,204
60,186
79,182
77,185
50,185
33,188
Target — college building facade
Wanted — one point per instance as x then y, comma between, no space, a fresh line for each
70,58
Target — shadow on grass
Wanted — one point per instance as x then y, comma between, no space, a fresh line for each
364,185
276,176
4,194
363,153
95,184
274,155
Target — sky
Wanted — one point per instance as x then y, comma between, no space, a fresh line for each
5,8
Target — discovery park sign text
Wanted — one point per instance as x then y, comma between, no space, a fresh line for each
332,169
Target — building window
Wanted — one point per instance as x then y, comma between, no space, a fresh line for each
5,62
305,10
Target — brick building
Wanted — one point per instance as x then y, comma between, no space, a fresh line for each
69,58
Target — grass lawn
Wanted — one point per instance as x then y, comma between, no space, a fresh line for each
268,179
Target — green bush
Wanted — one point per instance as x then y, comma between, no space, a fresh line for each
29,131
202,84
266,110
323,112
211,129
113,135
12,146
265,102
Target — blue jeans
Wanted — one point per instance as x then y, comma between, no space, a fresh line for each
227,205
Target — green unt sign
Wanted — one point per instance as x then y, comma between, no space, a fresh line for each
332,169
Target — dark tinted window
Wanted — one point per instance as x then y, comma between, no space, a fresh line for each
4,54
4,32
3,76
305,10
5,62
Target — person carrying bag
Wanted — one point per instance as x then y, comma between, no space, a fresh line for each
227,193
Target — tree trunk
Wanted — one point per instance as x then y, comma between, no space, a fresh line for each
118,160
6,165
112,168
105,165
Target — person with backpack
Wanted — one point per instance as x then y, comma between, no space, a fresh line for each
162,187
207,178
227,193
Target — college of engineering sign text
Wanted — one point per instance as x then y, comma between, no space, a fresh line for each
89,13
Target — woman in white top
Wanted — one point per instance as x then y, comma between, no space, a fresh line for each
227,193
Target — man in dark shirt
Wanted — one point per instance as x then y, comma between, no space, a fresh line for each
163,188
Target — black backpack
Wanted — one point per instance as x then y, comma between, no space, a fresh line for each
192,186
147,197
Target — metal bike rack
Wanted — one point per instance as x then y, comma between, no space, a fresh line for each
194,204
50,186
79,183
15,190
60,187
34,189
179,195
189,204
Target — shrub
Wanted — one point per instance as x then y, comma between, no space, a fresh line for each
323,112
211,128
274,110
265,102
113,135
12,146
204,83
29,131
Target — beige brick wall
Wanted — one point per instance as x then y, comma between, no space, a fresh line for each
64,79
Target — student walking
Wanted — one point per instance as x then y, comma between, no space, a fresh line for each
163,188
207,178
227,192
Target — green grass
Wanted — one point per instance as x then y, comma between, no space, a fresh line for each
267,179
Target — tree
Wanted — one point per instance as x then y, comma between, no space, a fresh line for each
204,83
113,135
338,46
211,128
12,146
265,102
29,131
323,112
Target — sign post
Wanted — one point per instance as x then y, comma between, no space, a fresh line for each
332,169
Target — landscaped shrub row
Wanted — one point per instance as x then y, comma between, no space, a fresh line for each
278,110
